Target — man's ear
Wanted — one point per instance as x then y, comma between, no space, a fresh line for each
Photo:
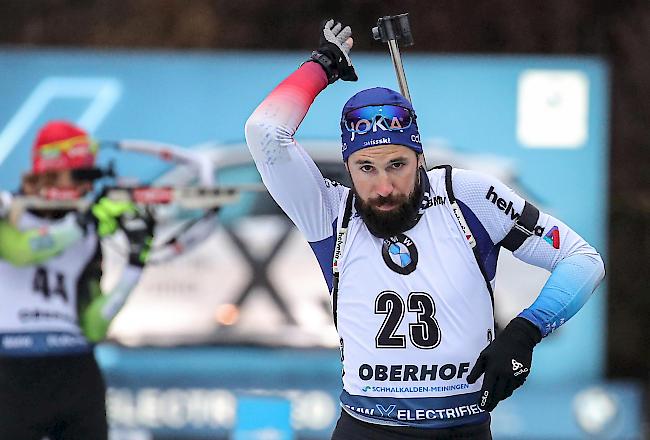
421,162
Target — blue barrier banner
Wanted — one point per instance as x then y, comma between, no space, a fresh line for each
196,393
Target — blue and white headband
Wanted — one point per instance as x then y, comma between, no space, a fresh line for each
378,116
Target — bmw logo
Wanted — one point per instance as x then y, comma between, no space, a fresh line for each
400,254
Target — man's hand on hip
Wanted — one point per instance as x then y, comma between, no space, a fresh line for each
506,362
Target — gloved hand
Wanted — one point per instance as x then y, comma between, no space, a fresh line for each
137,226
333,52
107,214
139,231
506,362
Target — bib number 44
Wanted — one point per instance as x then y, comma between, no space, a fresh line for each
43,286
424,333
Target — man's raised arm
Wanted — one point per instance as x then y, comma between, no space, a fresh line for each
288,172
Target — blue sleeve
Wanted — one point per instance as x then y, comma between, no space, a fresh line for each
565,292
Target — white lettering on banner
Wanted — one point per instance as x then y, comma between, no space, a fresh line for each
17,342
312,409
199,408
171,408
64,340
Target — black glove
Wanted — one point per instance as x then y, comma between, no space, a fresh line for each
506,362
333,52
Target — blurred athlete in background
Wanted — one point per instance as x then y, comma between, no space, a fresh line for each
410,256
52,309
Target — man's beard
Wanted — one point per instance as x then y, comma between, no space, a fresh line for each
385,224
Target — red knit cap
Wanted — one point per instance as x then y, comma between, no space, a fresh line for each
61,145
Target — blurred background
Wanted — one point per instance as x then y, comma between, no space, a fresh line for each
234,338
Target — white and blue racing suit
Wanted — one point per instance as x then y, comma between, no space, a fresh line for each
413,314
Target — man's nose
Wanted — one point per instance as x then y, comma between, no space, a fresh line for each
384,186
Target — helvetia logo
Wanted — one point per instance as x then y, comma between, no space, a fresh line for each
553,237
501,204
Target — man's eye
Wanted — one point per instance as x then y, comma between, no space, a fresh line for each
397,165
366,168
